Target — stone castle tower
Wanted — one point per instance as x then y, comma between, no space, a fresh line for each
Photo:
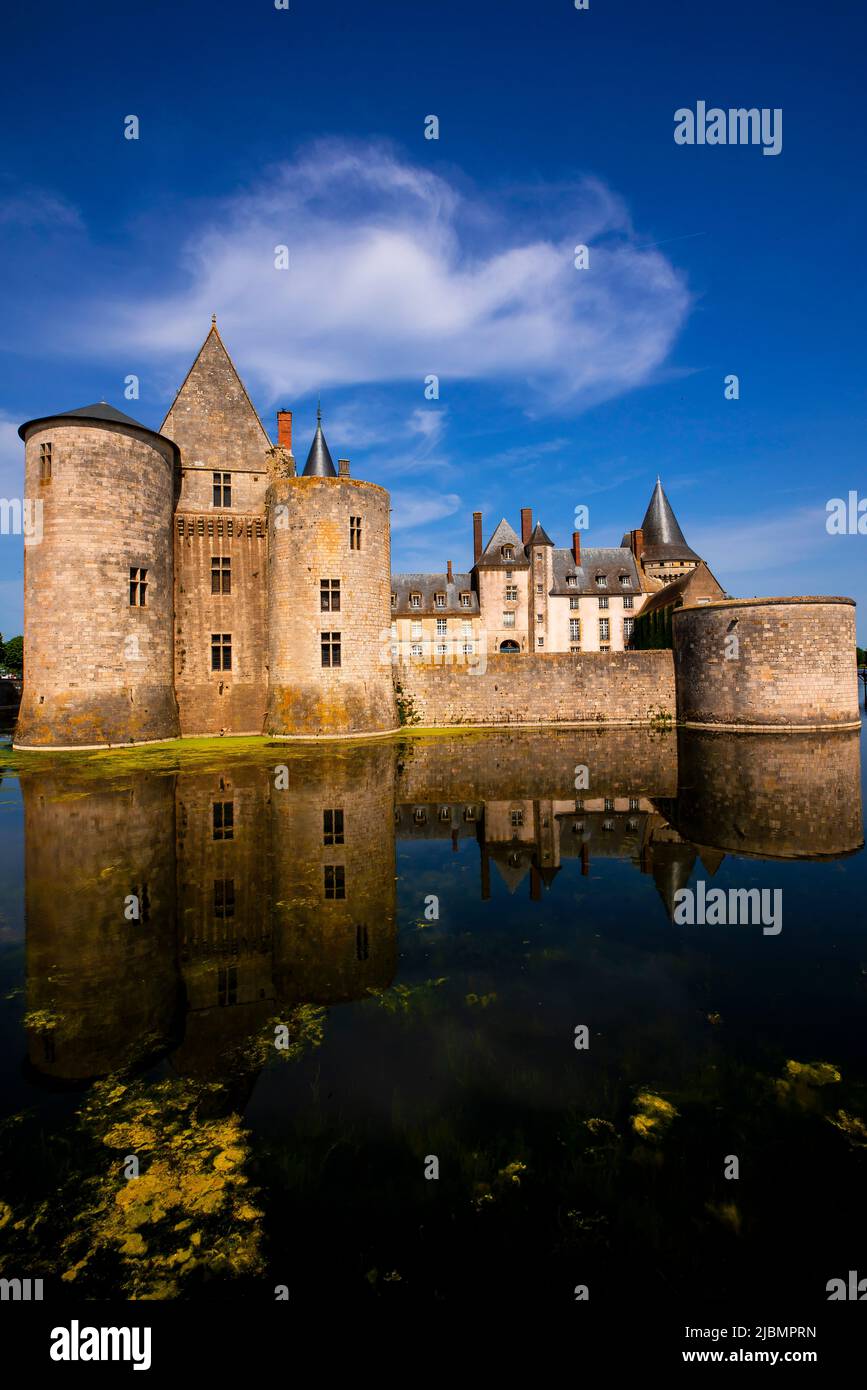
189,583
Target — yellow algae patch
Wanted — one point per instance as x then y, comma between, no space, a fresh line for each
854,1129
727,1214
653,1115
800,1081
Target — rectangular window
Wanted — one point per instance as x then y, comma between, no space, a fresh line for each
574,601
603,601
415,600
442,627
468,648
628,601
222,489
509,619
224,820
355,533
329,595
361,943
604,629
466,629
517,818
633,803
44,463
415,649
227,985
439,600
335,881
540,617
138,588
465,600
332,827
540,641
574,629
331,649
572,581
442,648
625,581
540,588
628,625
415,631
609,804
221,574
511,593
221,651
602,581
224,897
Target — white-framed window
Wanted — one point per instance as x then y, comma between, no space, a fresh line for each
572,581
602,581
394,632
415,631
628,601
416,649
466,628
442,648
439,600
507,552
604,629
415,600
574,629
603,600
508,619
442,627
511,593
574,601
625,581
468,648
628,625
465,600
540,588
540,641
540,617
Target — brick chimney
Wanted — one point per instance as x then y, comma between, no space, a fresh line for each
526,525
284,429
343,468
477,537
637,543
449,575
576,547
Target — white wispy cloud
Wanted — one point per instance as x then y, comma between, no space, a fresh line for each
773,541
419,508
38,207
396,273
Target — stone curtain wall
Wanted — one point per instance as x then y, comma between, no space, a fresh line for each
767,663
555,688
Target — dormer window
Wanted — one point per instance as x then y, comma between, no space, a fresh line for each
465,600
602,581
572,581
625,581
439,600
415,600
394,600
507,552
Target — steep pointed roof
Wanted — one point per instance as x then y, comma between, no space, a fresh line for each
540,535
663,538
503,535
319,462
212,418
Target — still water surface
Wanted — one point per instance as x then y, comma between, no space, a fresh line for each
354,969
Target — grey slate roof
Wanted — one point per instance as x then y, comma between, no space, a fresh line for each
676,593
99,411
540,535
609,560
319,462
402,585
491,557
663,538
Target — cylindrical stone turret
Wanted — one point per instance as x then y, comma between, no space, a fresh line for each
98,582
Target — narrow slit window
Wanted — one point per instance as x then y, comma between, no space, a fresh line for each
355,533
45,463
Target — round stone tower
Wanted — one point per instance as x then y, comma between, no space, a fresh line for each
329,601
767,663
98,582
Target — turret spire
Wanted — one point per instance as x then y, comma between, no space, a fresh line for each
319,463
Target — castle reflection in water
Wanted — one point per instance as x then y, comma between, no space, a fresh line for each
268,884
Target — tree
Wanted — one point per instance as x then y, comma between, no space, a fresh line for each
2,651
14,654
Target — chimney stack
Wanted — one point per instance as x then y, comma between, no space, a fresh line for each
637,543
449,575
576,547
526,525
343,468
477,537
284,429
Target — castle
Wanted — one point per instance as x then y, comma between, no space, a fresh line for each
192,582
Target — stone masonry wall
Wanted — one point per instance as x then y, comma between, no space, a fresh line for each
555,688
767,663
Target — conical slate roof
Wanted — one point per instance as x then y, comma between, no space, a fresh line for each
663,538
540,535
503,535
99,411
319,462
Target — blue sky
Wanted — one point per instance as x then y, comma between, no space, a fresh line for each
411,257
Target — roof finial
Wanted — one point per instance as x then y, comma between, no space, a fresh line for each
213,320
319,410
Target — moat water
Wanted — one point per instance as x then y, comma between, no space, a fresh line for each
413,1019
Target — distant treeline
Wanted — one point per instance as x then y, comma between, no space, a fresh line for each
12,655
